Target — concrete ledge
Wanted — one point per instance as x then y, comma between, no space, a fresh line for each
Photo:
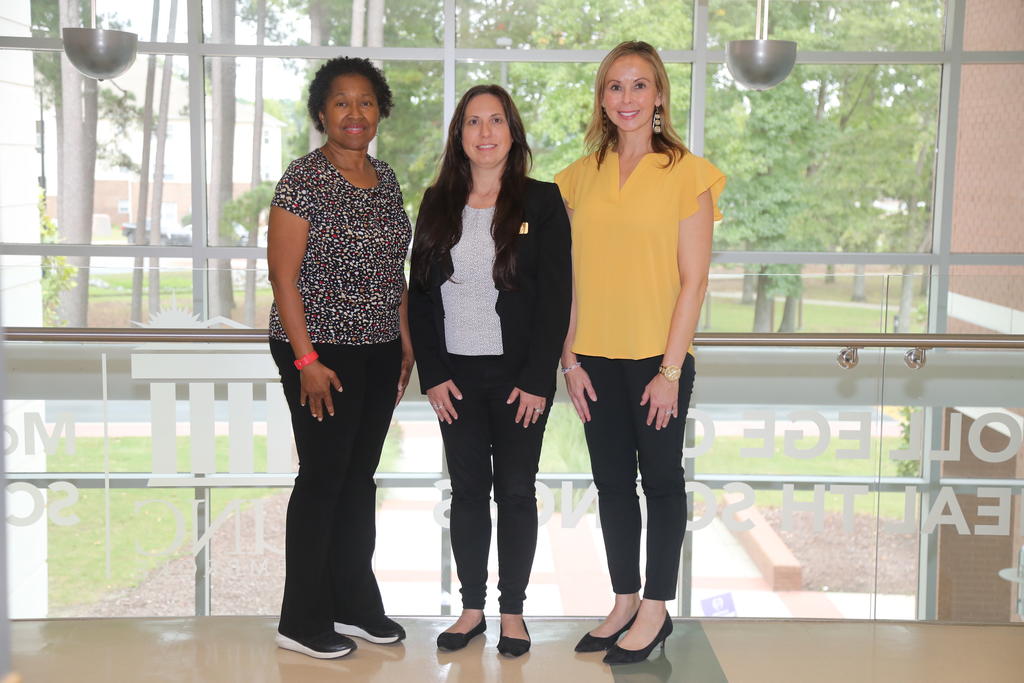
777,563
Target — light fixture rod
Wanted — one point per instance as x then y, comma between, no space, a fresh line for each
93,3
761,21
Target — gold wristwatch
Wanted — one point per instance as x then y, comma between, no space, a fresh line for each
670,372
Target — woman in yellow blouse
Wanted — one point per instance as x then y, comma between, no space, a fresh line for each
642,209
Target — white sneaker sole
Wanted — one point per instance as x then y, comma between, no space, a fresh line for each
287,643
356,632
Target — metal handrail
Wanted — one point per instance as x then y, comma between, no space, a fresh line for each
707,339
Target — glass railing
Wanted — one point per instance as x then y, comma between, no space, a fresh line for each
149,471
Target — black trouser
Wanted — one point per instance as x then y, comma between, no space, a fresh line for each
331,530
485,431
618,438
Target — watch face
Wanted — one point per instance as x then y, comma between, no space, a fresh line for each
671,372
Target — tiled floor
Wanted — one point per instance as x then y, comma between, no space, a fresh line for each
703,651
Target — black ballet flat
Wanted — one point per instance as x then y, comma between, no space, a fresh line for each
513,647
589,643
618,655
456,641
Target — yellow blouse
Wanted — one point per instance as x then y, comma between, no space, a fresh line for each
624,248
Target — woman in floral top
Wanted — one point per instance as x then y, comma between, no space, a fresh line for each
339,335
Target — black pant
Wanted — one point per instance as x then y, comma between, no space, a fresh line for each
331,529
618,438
484,431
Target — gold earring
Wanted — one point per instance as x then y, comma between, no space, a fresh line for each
657,120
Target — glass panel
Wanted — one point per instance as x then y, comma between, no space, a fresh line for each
994,25
962,425
555,125
557,24
370,23
836,158
987,202
101,291
782,472
861,25
813,298
48,198
241,186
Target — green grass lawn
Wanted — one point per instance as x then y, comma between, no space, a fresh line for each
77,553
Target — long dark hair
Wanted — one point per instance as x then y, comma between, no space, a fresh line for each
439,226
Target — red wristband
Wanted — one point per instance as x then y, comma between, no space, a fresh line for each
306,360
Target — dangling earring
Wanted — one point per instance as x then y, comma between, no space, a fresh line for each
657,120
605,121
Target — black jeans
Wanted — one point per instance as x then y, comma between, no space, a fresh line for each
331,528
485,432
618,439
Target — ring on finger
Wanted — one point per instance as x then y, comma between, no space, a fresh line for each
435,406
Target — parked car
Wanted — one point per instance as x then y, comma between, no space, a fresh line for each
173,234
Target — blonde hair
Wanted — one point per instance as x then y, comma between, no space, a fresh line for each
602,135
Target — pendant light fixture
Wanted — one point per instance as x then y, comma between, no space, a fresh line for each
760,64
100,53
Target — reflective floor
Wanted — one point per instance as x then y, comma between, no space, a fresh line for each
703,651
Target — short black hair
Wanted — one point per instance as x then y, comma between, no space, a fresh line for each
342,66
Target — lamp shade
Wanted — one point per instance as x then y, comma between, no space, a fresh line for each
100,53
760,64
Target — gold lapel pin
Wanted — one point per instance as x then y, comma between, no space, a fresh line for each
524,229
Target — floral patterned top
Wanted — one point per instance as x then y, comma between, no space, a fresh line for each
352,274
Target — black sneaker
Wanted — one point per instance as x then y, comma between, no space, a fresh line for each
323,646
381,630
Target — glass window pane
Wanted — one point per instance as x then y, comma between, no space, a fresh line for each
860,25
835,158
89,155
555,124
241,186
98,291
558,24
370,23
135,16
815,298
987,198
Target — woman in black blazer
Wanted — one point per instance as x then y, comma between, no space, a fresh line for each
488,311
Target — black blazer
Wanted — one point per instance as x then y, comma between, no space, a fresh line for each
534,315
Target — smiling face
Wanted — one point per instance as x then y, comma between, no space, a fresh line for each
486,138
630,94
350,113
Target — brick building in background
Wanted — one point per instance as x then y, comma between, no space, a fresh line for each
988,217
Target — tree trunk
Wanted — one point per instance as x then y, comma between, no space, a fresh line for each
222,88
147,135
158,170
790,314
749,287
858,284
77,161
830,274
905,319
358,23
764,307
319,32
256,176
374,38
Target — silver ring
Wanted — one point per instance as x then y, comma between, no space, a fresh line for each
435,406
538,410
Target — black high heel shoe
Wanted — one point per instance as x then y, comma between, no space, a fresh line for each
618,655
589,643
514,647
457,641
